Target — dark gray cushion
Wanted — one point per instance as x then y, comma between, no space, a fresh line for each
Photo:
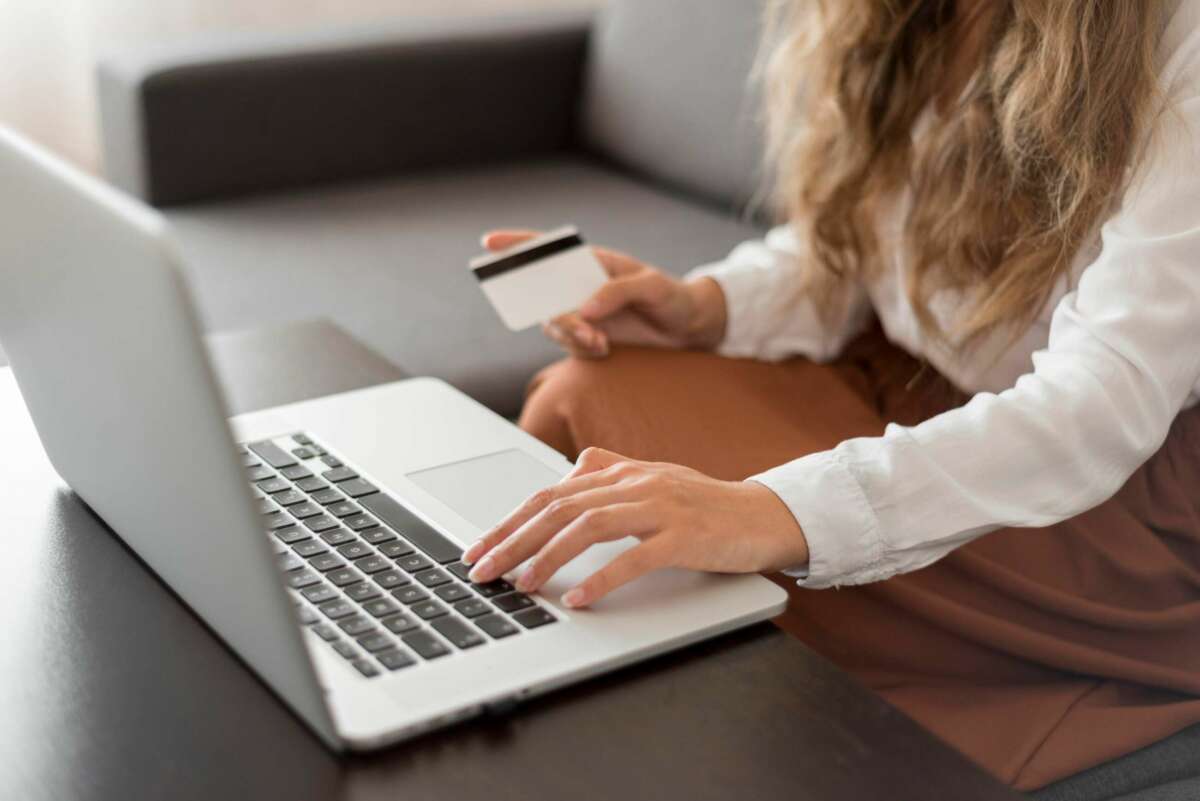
1165,771
666,93
387,260
211,119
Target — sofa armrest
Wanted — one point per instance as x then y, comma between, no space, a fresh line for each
221,119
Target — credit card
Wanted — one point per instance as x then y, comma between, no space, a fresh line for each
538,280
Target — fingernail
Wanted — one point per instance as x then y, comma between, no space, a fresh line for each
482,572
554,330
589,308
525,583
483,240
573,598
472,553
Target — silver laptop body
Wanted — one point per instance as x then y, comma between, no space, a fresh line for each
318,539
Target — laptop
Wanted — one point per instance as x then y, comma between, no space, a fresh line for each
320,540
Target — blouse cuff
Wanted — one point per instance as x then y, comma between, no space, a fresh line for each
842,530
741,288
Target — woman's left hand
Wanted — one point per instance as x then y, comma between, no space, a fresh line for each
682,517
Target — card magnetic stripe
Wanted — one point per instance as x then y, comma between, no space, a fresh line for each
542,251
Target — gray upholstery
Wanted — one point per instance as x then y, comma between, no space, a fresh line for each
1166,771
666,94
217,119
387,260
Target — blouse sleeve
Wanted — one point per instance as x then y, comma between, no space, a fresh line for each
1123,359
768,314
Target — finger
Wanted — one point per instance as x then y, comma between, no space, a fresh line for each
599,524
590,463
577,337
506,238
629,565
644,287
616,263
531,536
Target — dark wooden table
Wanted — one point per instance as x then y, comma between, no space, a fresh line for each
111,689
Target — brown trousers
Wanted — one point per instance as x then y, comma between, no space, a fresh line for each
1036,652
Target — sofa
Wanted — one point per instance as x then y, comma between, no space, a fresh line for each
348,175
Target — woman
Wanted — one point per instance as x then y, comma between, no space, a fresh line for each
1003,475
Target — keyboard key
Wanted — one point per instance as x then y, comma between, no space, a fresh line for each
304,510
320,523
458,633
289,498
375,642
336,610
320,593
362,591
354,550
326,562
433,578
381,608
315,485
357,488
273,485
513,602
459,570
310,547
292,534
532,618
276,520
297,473
415,530
337,536
344,509
395,549
316,449
265,506
307,615
249,460
366,668
272,454
472,607
410,595
303,453
339,474
356,626
301,439
372,564
289,562
414,563
395,660
260,473
428,610
390,579
451,592
325,631
493,588
343,577
345,649
300,579
331,461
375,536
496,626
399,624
425,644
360,522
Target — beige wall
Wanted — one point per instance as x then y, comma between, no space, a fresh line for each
49,46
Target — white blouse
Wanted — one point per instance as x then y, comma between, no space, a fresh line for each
1059,420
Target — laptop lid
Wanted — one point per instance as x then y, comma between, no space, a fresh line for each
98,326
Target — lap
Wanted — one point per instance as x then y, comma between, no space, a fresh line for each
1091,627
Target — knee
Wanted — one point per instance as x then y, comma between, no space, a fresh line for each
561,397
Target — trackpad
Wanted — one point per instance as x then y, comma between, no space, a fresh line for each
485,489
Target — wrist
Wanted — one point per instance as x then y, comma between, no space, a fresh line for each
706,326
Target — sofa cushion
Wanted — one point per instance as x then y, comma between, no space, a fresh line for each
387,260
667,93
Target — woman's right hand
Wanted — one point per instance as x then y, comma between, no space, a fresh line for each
639,305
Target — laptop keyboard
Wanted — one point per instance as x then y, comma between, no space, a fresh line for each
382,587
